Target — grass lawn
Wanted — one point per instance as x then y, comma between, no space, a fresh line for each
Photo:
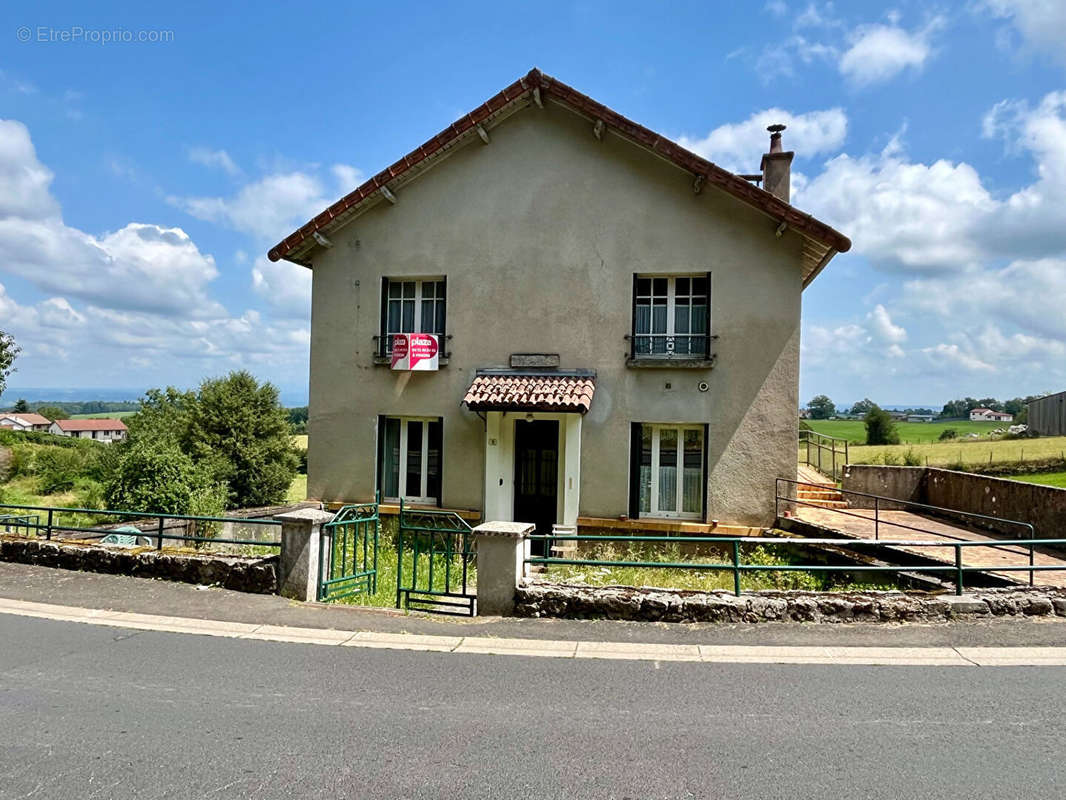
298,490
909,432
1056,479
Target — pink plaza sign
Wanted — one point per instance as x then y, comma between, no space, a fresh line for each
415,351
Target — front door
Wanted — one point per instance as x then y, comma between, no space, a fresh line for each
536,473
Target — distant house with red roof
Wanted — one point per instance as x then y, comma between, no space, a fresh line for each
102,430
988,415
24,422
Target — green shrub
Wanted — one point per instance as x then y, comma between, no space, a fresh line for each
891,459
155,477
880,429
911,458
948,434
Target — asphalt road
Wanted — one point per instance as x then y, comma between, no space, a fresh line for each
96,712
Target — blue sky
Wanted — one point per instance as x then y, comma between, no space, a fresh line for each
141,183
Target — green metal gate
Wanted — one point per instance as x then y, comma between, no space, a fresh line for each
435,563
348,553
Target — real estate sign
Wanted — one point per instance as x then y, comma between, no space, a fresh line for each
415,351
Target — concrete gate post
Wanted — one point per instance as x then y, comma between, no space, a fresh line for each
501,551
302,535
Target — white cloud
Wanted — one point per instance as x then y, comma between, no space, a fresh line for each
739,146
883,327
217,159
900,213
269,208
951,356
348,177
1040,23
125,307
140,266
877,53
285,286
914,216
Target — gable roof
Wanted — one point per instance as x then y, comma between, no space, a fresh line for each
90,425
821,242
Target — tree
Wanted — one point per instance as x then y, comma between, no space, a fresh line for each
8,353
863,407
821,407
239,428
21,406
233,429
52,412
880,429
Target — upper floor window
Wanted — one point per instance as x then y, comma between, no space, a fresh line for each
411,306
671,316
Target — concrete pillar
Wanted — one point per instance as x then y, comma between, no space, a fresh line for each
302,537
501,548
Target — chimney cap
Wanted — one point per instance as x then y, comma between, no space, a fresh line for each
776,128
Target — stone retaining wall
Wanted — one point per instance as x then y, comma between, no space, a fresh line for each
570,601
243,574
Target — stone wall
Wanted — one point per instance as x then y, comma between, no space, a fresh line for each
244,574
1042,506
665,605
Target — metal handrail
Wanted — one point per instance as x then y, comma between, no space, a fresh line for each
818,442
51,524
738,567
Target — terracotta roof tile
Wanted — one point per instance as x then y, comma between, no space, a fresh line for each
531,393
91,424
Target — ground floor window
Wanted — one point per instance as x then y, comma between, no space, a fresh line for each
667,470
410,459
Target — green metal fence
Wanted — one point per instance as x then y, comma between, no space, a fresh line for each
19,524
56,522
955,571
437,548
348,555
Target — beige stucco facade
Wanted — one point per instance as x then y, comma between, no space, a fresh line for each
539,234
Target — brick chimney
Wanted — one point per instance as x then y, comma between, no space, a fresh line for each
776,166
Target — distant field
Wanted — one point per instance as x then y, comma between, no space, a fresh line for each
972,453
909,432
300,441
104,415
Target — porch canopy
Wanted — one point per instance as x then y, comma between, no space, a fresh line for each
531,390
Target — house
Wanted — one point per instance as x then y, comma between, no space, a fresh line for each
24,421
988,415
550,313
102,430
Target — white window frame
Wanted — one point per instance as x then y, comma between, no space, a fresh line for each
653,490
401,482
419,283
671,317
